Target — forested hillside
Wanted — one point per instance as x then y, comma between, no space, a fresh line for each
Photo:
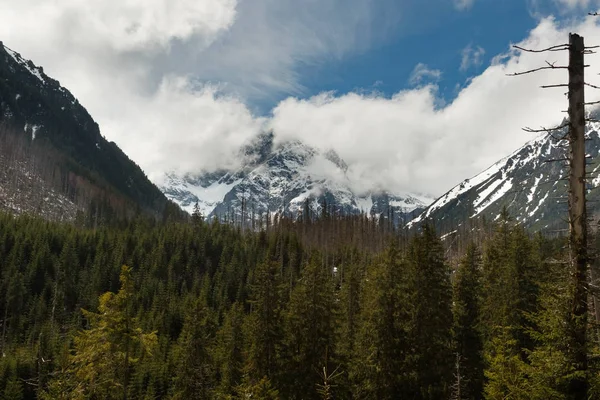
331,309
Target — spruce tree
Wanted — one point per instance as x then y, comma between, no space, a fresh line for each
467,335
380,366
263,327
430,296
309,331
104,354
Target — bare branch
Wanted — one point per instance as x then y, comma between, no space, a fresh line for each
591,103
543,129
559,47
592,86
550,66
553,86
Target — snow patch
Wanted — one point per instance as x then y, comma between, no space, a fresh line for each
533,189
34,130
506,186
365,204
208,197
531,214
483,195
35,71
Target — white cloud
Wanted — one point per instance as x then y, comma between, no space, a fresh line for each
122,25
472,56
165,79
463,4
574,3
408,143
184,129
422,73
150,94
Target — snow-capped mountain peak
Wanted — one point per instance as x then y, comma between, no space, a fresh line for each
281,178
532,189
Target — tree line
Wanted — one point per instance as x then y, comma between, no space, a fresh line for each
338,308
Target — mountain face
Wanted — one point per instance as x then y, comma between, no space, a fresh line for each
529,183
285,178
54,140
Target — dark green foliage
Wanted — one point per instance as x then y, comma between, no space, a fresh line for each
309,333
468,371
380,365
290,313
430,296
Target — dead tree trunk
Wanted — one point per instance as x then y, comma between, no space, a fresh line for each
578,215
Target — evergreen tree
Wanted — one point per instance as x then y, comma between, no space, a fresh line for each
229,349
197,217
467,336
99,367
430,296
379,368
309,331
263,328
195,369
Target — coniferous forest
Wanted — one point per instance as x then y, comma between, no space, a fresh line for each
333,308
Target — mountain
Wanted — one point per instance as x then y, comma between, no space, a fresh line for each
529,183
54,152
284,178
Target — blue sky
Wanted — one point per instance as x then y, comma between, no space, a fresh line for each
435,38
412,94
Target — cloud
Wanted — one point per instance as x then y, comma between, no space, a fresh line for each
422,73
463,4
576,8
176,97
121,25
170,81
408,143
471,57
574,3
184,129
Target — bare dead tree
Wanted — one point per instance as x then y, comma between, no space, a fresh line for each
578,385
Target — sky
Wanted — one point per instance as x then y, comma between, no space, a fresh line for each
412,94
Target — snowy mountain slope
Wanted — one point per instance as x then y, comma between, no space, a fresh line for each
531,187
281,179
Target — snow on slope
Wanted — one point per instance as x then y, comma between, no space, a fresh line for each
282,179
38,72
524,182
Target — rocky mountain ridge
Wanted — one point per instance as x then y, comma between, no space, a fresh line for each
41,118
530,183
285,179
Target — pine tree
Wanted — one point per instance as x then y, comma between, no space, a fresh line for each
309,331
263,324
197,217
548,368
467,336
511,270
506,374
104,354
430,296
195,373
379,368
228,352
